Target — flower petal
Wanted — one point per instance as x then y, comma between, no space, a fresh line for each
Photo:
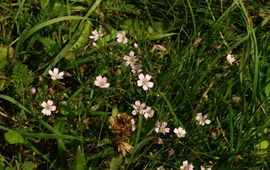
43,104
53,108
141,76
145,87
55,70
147,77
49,102
139,83
50,72
150,84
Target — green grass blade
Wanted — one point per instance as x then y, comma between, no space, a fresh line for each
11,100
27,34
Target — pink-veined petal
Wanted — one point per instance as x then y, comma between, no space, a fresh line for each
50,72
141,76
55,70
46,112
208,121
61,74
145,87
53,108
131,53
150,84
43,104
139,83
49,102
147,77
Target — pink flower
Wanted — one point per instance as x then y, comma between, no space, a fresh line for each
230,58
130,59
96,35
148,112
186,166
33,90
102,82
160,141
48,107
180,132
121,37
138,107
161,128
55,75
136,68
202,119
145,82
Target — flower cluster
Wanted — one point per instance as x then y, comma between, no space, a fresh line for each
131,60
48,106
141,108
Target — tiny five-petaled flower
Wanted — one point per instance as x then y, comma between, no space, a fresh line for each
148,112
130,59
161,128
186,166
96,35
101,82
230,58
55,75
136,68
145,82
202,119
48,107
121,37
138,107
180,132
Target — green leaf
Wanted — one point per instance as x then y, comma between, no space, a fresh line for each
27,34
29,165
115,163
11,100
79,159
14,137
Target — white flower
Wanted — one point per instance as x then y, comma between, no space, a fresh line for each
145,82
148,112
230,58
121,37
96,35
180,132
161,128
136,68
202,119
101,82
131,59
48,107
138,107
207,168
133,121
186,166
55,75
